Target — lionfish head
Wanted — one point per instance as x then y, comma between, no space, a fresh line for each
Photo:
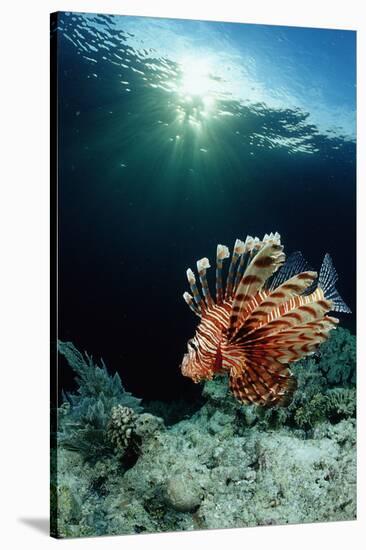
199,362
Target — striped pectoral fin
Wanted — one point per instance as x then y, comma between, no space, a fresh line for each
263,265
243,391
306,331
292,287
269,308
292,344
300,310
294,265
264,381
288,350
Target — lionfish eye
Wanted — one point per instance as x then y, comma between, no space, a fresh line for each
192,344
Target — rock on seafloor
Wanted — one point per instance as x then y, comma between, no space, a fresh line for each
183,493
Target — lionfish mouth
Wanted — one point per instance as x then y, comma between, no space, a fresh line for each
184,364
187,370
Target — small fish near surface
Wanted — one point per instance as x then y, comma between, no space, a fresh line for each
271,312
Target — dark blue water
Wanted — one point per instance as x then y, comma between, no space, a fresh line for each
175,136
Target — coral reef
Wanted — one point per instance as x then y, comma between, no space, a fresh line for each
338,358
308,415
224,465
120,428
341,403
84,416
147,425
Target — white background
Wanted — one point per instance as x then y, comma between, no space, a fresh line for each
24,267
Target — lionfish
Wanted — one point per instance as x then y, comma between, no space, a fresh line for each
271,313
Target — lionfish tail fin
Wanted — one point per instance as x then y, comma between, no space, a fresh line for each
327,280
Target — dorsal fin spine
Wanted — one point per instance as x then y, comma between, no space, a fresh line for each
202,266
189,300
238,250
193,286
222,253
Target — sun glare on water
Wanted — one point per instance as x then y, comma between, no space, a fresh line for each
196,77
195,90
